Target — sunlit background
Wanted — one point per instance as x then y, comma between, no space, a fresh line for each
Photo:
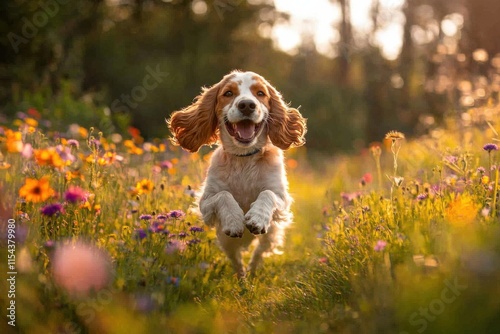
357,68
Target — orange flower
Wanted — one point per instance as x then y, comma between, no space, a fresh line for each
48,157
144,186
14,141
36,191
461,211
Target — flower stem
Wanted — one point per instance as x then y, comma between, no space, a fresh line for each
495,189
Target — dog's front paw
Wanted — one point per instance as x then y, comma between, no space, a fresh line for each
257,222
232,225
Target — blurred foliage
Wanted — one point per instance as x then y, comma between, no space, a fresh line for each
104,52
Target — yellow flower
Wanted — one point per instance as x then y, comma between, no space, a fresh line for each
461,211
485,179
36,191
144,186
48,157
31,122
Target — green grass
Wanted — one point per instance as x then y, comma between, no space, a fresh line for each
422,256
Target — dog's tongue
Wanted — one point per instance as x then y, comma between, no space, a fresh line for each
245,129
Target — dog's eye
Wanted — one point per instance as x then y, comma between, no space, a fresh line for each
261,93
228,93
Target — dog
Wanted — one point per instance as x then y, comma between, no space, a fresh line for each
245,193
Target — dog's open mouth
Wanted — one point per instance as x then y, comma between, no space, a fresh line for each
243,131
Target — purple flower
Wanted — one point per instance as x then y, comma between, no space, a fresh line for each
52,209
490,147
75,194
73,142
380,246
65,153
423,196
145,217
195,229
193,242
161,217
176,214
158,227
182,235
139,233
481,170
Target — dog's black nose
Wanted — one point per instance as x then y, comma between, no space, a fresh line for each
246,107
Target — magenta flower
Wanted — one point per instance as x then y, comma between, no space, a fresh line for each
52,209
75,194
195,229
380,246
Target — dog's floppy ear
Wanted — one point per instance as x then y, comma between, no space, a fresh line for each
286,126
196,125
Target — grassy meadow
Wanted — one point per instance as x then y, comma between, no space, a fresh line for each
401,237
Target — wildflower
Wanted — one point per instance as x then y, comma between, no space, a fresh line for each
75,194
485,179
394,135
145,217
65,153
161,217
158,227
52,209
194,241
422,196
380,246
481,170
144,186
36,190
451,159
350,197
140,233
14,141
176,214
49,244
490,147
195,229
367,178
48,157
461,211
182,235
4,165
166,164
73,142
323,260
175,246
485,212
80,268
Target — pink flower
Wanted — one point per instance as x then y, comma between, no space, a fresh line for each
79,268
75,194
380,246
27,151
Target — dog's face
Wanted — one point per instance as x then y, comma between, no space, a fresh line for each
243,110
243,105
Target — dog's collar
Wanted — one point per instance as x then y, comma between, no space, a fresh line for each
257,150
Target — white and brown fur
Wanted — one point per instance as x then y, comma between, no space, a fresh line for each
245,194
